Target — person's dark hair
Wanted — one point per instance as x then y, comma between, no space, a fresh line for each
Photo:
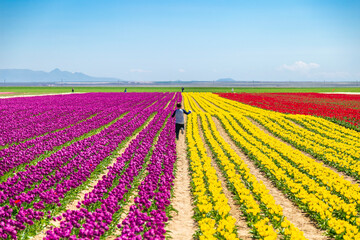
178,105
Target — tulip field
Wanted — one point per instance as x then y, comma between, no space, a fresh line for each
340,108
329,201
52,147
108,166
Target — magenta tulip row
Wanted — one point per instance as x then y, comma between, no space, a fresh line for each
24,118
26,152
100,207
147,217
34,194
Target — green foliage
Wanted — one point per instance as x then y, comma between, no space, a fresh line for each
48,90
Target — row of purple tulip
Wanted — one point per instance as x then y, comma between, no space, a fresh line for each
28,151
26,118
102,207
147,217
34,195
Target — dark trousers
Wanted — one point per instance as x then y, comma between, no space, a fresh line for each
178,126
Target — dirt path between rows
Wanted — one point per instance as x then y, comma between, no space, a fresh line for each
182,226
130,202
169,101
290,210
38,95
304,128
197,104
243,230
81,195
346,177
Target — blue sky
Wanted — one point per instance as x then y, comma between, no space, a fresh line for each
144,40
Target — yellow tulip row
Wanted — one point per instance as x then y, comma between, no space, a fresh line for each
206,105
340,153
235,169
229,105
283,152
316,200
321,204
212,208
308,165
328,129
339,147
189,104
341,160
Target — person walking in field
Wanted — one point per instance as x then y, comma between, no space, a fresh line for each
179,117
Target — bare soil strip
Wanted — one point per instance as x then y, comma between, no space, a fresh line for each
346,177
38,95
169,101
241,224
182,226
134,194
72,205
341,93
290,210
197,104
126,210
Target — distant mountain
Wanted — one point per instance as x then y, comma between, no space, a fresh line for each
226,80
56,75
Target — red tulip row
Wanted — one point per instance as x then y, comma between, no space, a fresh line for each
341,108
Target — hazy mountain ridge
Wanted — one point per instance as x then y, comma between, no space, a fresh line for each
56,75
226,80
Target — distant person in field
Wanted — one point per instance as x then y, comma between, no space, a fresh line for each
125,90
182,89
72,90
179,117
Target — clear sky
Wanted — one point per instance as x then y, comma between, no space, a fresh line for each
145,40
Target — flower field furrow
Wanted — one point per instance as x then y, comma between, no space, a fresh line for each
147,217
345,147
95,217
340,108
329,199
29,142
36,116
16,157
48,193
211,207
326,128
51,170
284,157
102,166
28,197
317,201
341,160
100,209
237,173
337,153
312,168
